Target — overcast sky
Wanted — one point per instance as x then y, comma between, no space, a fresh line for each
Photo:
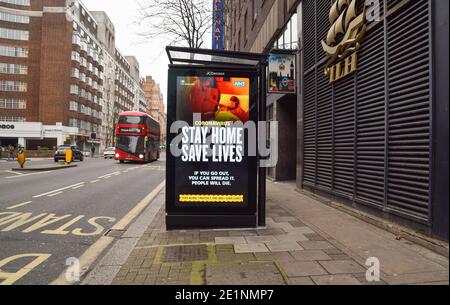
151,54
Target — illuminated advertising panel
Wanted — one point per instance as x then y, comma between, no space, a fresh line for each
212,172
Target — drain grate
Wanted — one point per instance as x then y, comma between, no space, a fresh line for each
115,233
185,254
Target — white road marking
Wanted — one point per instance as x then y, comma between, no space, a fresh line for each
13,172
77,187
26,175
55,194
19,205
61,189
92,253
95,181
109,175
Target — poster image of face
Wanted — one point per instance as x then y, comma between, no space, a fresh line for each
281,73
215,98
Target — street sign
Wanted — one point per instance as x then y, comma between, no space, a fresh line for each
211,178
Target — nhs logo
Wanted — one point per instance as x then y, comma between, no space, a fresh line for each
240,84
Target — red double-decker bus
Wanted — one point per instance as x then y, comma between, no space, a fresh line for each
137,137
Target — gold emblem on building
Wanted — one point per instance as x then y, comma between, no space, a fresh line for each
348,27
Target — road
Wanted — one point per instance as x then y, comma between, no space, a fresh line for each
57,215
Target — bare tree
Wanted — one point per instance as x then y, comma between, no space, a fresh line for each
183,22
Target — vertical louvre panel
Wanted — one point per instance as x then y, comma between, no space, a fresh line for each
309,37
344,130
323,26
409,110
392,3
324,128
309,119
348,144
309,123
371,120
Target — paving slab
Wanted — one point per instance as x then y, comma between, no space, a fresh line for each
284,246
301,281
301,269
417,278
343,279
342,267
291,237
230,240
316,245
310,255
243,274
251,248
260,239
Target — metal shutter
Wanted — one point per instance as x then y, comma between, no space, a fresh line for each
371,105
409,110
368,137
309,93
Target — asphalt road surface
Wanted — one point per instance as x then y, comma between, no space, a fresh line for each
47,218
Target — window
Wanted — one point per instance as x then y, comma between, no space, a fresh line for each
13,86
245,26
13,104
73,89
239,40
255,9
75,56
289,38
9,51
73,106
13,69
14,18
12,119
17,2
73,122
13,34
75,73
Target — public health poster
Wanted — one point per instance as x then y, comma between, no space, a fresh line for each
213,167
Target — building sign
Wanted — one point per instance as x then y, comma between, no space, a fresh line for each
348,27
282,73
218,29
212,173
7,126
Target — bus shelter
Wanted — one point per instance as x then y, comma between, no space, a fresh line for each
215,101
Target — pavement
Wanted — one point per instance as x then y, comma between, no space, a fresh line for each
50,218
305,242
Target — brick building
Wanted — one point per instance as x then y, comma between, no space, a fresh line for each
373,134
51,73
155,104
62,78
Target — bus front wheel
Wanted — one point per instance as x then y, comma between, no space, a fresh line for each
122,161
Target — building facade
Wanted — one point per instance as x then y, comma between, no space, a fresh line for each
155,104
369,124
50,72
61,72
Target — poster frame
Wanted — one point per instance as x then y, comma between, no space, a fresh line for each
292,53
178,217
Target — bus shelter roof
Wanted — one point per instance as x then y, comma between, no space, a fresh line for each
206,57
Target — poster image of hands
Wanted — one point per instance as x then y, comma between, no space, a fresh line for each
215,98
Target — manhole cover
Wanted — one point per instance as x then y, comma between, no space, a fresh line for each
185,254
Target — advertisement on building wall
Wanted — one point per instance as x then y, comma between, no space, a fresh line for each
282,72
212,172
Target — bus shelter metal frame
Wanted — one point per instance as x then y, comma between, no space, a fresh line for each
234,60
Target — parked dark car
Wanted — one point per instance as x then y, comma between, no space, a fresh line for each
60,154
